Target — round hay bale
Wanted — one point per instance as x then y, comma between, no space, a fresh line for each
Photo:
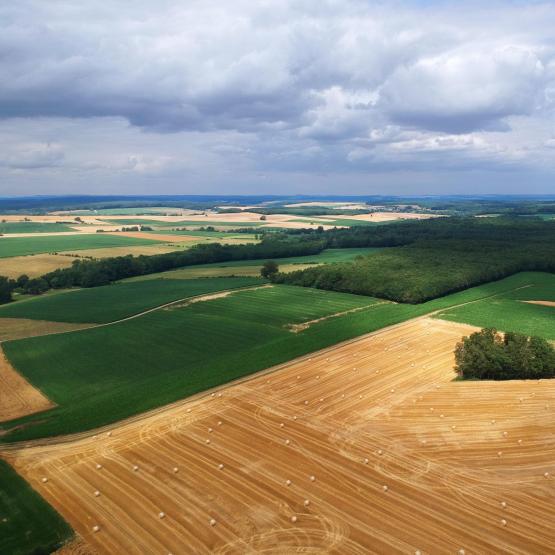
109,434
520,442
287,482
135,468
213,395
306,503
212,522
44,480
365,461
312,478
219,422
503,522
499,453
493,421
306,402
207,441
295,417
96,528
161,514
220,466
505,434
188,410
318,377
462,552
504,504
546,474
418,552
98,466
385,488
219,394
175,470
293,519
97,493
287,442
210,430
380,452
281,424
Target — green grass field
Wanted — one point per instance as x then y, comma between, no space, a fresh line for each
508,313
33,227
20,246
327,256
101,375
116,301
28,525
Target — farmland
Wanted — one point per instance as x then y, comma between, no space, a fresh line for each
173,352
18,246
33,227
27,524
368,446
113,302
510,312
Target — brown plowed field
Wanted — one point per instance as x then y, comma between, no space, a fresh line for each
17,396
19,328
340,425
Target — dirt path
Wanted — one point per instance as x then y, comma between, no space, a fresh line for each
17,396
379,411
296,328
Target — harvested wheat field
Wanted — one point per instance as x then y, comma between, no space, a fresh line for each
542,303
17,396
366,447
33,265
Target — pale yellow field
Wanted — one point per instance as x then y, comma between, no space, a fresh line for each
33,265
366,447
17,396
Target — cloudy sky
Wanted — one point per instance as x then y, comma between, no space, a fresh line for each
277,96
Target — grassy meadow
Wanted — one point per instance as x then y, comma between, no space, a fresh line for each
28,525
101,375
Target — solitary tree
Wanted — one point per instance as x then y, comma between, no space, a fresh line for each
269,269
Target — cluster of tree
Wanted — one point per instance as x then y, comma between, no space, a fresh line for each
486,355
23,284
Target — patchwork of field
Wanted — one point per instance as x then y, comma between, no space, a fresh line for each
18,397
103,374
116,301
366,447
525,309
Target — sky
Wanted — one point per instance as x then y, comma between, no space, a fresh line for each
277,97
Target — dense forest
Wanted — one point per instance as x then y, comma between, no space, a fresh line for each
432,258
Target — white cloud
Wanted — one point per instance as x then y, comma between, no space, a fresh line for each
278,88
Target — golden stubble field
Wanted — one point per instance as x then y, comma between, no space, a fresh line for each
366,447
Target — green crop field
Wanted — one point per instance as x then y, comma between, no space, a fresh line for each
20,246
508,312
28,525
101,375
116,301
327,256
33,227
